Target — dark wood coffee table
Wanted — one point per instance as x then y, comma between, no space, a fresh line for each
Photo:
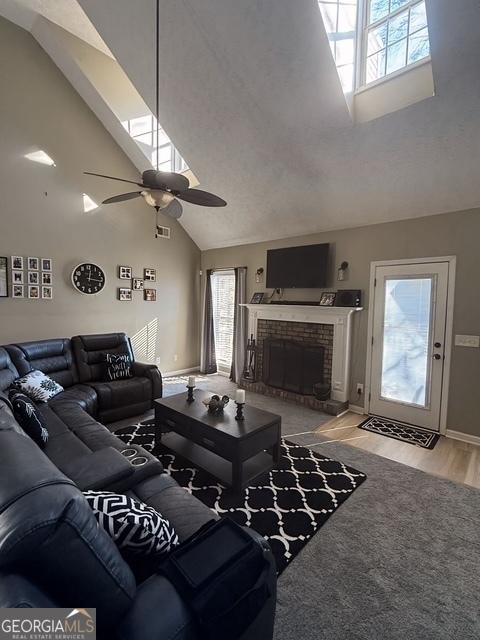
235,452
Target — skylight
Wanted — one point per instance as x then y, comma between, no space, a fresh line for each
396,36
340,20
144,131
371,39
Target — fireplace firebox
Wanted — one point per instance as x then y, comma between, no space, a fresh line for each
292,366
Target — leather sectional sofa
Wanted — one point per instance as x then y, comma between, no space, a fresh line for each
52,552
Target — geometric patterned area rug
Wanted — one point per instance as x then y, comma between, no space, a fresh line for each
400,431
287,506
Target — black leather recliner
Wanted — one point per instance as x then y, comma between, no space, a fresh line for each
77,365
53,554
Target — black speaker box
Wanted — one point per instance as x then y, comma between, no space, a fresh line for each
349,298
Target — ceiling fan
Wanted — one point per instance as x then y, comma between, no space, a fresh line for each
161,189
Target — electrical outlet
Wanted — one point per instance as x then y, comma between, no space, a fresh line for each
175,357
359,388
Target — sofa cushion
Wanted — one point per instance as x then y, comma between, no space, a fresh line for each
81,394
90,353
186,513
29,418
7,419
120,393
132,525
53,357
86,434
38,386
8,371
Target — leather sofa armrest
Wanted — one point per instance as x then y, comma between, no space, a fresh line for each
158,602
151,372
17,591
168,616
100,469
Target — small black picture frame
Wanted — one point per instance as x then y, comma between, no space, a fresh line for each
328,299
149,275
124,272
257,297
125,294
3,277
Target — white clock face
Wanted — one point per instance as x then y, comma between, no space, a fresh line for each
88,278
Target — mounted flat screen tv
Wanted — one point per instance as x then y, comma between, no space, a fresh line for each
297,267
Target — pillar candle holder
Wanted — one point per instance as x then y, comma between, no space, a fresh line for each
239,415
190,397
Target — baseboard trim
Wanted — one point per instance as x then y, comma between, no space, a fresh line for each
355,408
464,437
180,372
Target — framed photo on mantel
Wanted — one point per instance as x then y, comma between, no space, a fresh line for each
328,299
257,298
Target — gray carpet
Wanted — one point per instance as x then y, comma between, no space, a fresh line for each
400,560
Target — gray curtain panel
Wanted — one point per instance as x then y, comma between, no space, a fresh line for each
208,363
240,325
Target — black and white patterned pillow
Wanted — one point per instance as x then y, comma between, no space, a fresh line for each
37,386
28,417
118,367
132,525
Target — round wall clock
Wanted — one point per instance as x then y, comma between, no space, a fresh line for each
88,278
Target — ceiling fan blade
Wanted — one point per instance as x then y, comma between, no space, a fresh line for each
100,175
203,198
122,197
165,180
174,210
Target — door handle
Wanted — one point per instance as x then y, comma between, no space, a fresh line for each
437,356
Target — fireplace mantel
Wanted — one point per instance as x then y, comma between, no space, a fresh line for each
341,319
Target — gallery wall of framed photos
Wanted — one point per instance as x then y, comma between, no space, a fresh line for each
31,278
26,277
136,284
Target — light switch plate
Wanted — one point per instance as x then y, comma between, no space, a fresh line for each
467,341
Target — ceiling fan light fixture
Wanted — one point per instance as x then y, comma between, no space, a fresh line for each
158,198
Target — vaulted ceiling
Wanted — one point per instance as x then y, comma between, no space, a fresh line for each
251,98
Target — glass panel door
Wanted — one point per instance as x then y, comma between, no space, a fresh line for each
406,340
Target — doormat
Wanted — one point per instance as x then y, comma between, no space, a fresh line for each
400,431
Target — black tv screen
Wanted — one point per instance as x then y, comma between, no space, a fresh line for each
297,267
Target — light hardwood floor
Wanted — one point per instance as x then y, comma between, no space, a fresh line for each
452,459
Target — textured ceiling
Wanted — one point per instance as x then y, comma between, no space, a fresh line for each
251,97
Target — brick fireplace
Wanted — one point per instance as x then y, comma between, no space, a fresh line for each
301,333
321,337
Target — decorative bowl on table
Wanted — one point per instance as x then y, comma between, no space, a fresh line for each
216,404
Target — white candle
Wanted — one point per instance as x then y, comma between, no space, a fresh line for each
240,396
191,381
